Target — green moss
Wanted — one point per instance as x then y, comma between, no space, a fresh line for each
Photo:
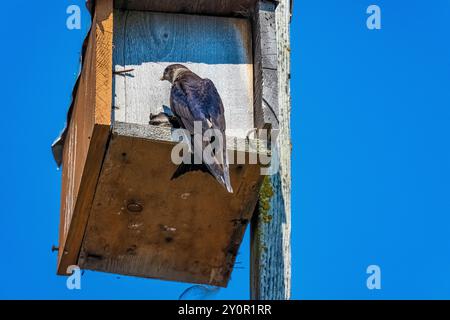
265,195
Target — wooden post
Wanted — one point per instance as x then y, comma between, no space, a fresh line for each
270,269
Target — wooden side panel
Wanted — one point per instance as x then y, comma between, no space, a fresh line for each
216,48
210,7
144,224
266,66
87,136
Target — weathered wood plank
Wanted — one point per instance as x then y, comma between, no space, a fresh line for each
271,225
164,134
188,229
265,66
209,7
87,136
212,47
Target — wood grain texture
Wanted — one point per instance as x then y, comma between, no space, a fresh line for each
207,7
265,66
103,64
87,136
189,229
271,225
216,48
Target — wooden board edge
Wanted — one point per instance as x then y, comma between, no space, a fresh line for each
69,250
162,134
223,8
104,26
265,66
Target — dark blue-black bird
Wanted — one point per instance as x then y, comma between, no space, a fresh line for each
194,99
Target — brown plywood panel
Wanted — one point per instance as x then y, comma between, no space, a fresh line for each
189,229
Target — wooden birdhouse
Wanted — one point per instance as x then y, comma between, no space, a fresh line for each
120,211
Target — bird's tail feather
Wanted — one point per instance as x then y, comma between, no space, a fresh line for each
217,169
222,175
226,174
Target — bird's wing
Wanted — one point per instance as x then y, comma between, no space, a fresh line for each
214,105
216,115
180,107
198,100
215,110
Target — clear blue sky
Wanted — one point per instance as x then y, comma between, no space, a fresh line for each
370,166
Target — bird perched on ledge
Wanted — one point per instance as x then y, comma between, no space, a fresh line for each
194,99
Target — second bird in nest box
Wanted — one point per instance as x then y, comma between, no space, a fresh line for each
198,108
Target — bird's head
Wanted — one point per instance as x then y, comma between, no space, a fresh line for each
172,72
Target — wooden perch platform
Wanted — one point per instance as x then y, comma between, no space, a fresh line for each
143,223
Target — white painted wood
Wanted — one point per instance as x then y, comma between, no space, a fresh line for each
164,134
216,48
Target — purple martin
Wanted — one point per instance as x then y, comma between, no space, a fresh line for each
196,100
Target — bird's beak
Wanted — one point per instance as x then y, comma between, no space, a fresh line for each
162,78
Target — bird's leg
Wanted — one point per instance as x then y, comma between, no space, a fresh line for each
174,122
